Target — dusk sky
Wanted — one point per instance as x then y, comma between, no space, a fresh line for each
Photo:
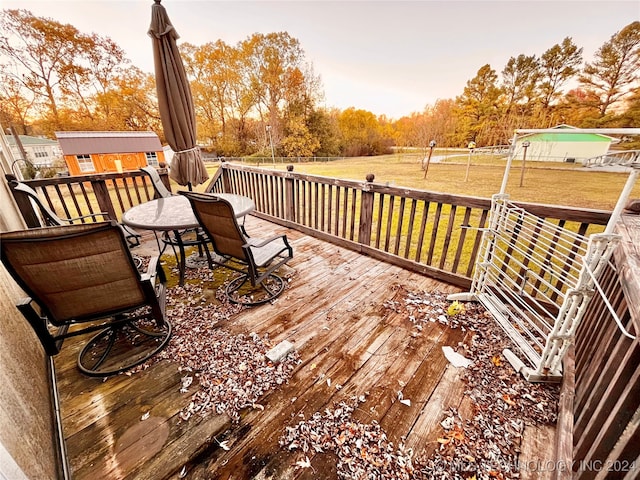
387,57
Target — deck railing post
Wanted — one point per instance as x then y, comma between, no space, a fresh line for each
101,192
24,204
164,176
226,180
366,212
289,200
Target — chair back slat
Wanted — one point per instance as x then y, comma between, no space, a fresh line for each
62,267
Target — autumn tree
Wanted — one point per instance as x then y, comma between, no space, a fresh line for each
629,117
15,105
361,133
614,70
479,107
579,108
275,63
61,69
40,51
557,65
323,125
298,140
519,78
213,70
99,63
263,78
129,103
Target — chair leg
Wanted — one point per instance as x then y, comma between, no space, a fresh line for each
241,291
122,347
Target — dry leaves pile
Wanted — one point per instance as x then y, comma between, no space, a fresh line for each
225,372
483,447
363,450
422,308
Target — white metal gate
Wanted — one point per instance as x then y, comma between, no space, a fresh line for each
537,277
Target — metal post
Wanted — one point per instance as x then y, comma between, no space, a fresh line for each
505,177
471,146
432,144
525,145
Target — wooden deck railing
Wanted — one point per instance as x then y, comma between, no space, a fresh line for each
601,437
434,233
439,235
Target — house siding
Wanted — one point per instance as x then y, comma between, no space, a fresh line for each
27,432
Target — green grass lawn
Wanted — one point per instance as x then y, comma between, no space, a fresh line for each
544,182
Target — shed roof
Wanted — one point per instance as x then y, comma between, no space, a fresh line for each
564,136
568,137
79,143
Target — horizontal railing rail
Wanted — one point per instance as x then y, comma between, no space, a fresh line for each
252,160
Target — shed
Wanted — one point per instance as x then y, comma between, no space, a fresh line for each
563,146
103,152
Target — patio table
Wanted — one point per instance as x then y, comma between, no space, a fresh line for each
173,214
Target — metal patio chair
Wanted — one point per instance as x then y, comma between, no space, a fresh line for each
255,259
80,279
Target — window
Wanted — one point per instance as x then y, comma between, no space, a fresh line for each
40,152
152,158
85,163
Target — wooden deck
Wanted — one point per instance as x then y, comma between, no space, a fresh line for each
333,313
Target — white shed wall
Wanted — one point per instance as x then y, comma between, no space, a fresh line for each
545,151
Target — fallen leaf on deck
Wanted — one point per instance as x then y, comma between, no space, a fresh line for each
303,463
186,382
455,308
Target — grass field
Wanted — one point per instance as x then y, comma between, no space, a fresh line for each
544,182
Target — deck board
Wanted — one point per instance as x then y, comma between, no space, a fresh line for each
332,311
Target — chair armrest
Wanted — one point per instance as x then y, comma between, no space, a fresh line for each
263,252
154,269
104,215
50,343
267,241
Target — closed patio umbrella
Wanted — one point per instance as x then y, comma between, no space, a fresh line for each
175,101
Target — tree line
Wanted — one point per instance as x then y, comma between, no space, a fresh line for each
263,91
